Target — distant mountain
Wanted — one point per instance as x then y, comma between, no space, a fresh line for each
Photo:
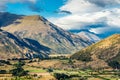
15,47
91,36
43,31
105,52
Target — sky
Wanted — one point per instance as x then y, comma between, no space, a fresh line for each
101,17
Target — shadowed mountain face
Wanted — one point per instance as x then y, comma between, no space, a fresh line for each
45,33
107,50
7,19
15,47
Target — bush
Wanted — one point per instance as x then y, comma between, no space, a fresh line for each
35,75
3,71
49,70
5,62
61,76
114,64
70,61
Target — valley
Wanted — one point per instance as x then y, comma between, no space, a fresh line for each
46,70
33,48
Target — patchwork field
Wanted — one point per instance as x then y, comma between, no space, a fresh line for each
57,69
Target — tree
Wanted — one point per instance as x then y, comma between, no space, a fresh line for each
114,64
18,70
70,61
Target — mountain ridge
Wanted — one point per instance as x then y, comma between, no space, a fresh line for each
46,33
91,36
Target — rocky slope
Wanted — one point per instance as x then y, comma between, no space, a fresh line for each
15,47
102,53
46,33
92,37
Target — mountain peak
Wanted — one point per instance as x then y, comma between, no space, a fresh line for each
40,29
34,17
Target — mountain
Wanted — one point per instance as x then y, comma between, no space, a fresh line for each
106,51
40,29
91,36
15,47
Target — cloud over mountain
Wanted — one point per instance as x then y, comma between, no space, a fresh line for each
98,16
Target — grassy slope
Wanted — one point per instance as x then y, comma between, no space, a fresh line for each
106,49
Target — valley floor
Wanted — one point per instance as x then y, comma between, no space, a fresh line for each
56,69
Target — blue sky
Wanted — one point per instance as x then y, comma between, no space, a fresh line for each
101,17
45,8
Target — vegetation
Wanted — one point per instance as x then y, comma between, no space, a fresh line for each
70,61
65,76
49,70
3,71
5,62
61,76
114,64
38,72
18,70
83,56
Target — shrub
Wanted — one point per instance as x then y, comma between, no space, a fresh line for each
114,64
49,70
70,61
35,75
61,76
5,62
3,71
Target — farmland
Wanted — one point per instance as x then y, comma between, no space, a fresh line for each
49,69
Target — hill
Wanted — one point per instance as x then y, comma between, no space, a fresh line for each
107,50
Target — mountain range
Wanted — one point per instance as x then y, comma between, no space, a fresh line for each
35,37
47,34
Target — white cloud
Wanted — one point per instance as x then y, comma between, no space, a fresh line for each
114,19
105,3
76,21
86,13
80,6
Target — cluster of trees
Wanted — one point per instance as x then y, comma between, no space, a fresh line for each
114,64
63,76
18,69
